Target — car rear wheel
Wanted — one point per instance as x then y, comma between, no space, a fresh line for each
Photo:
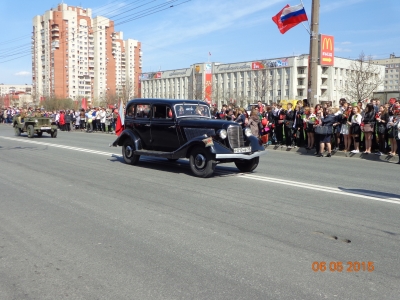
53,134
30,131
201,162
247,165
17,131
128,152
39,134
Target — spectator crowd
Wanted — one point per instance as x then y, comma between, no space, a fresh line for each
351,127
98,119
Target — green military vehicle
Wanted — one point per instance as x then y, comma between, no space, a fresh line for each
32,125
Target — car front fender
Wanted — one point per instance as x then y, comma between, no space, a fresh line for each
127,134
255,143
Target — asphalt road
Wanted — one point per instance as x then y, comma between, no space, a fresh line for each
78,223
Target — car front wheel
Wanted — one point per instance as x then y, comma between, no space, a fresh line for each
247,165
17,131
201,162
128,150
31,131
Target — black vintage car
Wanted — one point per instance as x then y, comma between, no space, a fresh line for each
176,129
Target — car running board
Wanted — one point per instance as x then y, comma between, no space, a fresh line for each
155,153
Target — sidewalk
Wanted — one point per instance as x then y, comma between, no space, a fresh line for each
304,151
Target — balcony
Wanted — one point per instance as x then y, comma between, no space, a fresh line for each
301,75
324,75
55,28
301,87
55,35
324,87
91,54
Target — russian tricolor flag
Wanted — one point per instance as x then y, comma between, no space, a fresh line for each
289,17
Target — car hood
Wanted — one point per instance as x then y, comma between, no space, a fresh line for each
205,123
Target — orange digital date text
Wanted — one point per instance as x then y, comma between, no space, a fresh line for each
338,266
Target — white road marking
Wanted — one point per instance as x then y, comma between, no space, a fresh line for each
326,189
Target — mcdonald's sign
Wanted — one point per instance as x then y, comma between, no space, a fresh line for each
327,50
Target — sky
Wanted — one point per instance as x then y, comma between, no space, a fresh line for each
231,30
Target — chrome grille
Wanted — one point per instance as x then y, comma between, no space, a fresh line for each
235,136
192,133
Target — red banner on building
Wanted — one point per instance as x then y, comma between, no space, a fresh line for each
327,53
257,65
208,83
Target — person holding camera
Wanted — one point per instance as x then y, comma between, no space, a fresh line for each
325,132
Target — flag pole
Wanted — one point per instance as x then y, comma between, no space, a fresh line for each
309,27
309,33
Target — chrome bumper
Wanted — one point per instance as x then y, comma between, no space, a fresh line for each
240,155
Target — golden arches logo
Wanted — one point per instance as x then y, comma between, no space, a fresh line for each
327,44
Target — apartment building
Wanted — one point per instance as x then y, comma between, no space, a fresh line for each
76,56
392,72
6,89
269,80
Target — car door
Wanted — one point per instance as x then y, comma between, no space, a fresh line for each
141,124
163,128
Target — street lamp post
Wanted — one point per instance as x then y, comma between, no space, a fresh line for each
313,57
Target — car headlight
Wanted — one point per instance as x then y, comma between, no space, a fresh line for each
247,132
222,134
36,121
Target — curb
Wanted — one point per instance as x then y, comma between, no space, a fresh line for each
304,151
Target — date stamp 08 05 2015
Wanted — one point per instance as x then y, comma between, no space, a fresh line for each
338,266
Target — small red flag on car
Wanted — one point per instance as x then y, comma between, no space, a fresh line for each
119,126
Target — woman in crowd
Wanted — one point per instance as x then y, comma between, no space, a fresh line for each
61,120
77,119
67,120
254,123
310,120
102,115
240,117
298,135
82,124
369,126
392,131
319,118
269,116
288,127
336,130
396,129
381,119
327,122
345,127
355,129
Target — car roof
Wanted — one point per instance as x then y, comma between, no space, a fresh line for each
166,101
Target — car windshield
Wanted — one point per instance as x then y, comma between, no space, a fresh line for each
192,110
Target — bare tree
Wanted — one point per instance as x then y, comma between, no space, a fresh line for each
128,90
362,79
261,85
55,103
